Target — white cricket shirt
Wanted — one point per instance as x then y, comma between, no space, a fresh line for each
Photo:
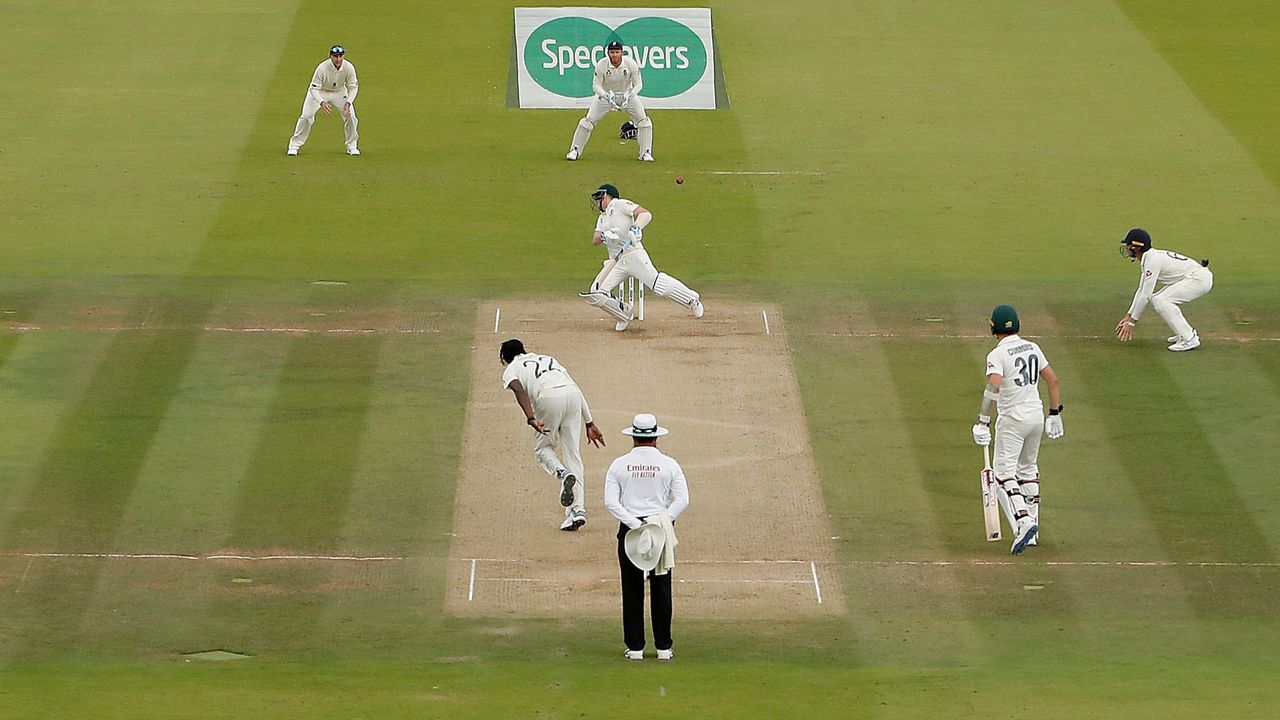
619,217
329,79
1018,362
1164,267
617,79
642,483
536,373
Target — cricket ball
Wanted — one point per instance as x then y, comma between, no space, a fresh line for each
679,180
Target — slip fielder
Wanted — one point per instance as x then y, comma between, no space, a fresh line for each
620,228
1184,280
616,85
1014,369
334,84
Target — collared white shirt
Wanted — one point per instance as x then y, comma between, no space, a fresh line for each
642,483
329,79
1164,267
617,79
618,217
536,373
1018,362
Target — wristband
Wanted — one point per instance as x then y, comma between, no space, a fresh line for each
1056,411
984,419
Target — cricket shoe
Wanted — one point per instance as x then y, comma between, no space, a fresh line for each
574,520
1173,339
665,654
354,152
566,492
1027,529
291,152
573,154
621,325
697,308
647,157
1185,345
634,654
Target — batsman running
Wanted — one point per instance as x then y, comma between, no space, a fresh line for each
616,85
556,409
1184,280
620,228
1014,370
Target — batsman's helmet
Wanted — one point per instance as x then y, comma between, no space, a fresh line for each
628,131
1135,241
600,192
1004,320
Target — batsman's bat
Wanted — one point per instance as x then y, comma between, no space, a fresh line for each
990,509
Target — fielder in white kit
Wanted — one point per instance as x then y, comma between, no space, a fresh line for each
557,411
1184,280
616,86
334,84
620,228
1014,369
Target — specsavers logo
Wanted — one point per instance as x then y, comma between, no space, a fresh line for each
560,55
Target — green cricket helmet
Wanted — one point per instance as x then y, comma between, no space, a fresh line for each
1004,320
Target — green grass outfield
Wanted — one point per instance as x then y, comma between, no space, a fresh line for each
945,157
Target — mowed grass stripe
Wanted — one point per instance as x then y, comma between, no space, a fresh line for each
1234,402
295,491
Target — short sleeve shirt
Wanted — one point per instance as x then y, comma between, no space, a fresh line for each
536,372
1018,362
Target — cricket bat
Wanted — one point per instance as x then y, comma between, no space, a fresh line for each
990,501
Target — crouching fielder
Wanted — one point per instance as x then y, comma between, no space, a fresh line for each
616,85
1014,370
620,228
1184,280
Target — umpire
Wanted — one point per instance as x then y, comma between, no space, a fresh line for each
645,485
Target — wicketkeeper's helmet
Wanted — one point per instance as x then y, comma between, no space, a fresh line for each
1136,241
600,192
1004,320
628,131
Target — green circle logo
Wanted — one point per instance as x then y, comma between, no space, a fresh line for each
561,55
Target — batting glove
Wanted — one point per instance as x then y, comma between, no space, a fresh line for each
1053,427
635,234
981,434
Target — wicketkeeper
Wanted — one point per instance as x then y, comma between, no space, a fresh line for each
1014,370
616,85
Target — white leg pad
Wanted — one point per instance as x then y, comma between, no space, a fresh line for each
644,136
612,305
667,286
583,133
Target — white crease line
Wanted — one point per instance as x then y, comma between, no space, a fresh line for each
765,172
471,589
813,568
560,581
247,330
765,315
1069,563
497,315
977,336
177,556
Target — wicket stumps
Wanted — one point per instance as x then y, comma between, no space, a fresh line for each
632,293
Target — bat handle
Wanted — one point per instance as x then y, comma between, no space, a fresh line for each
986,457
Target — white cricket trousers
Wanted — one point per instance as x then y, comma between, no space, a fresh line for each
1166,302
1017,449
560,408
310,106
636,263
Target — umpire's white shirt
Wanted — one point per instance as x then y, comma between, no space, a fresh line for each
642,483
1018,362
329,79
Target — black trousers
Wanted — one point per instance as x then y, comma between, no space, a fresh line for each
633,601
